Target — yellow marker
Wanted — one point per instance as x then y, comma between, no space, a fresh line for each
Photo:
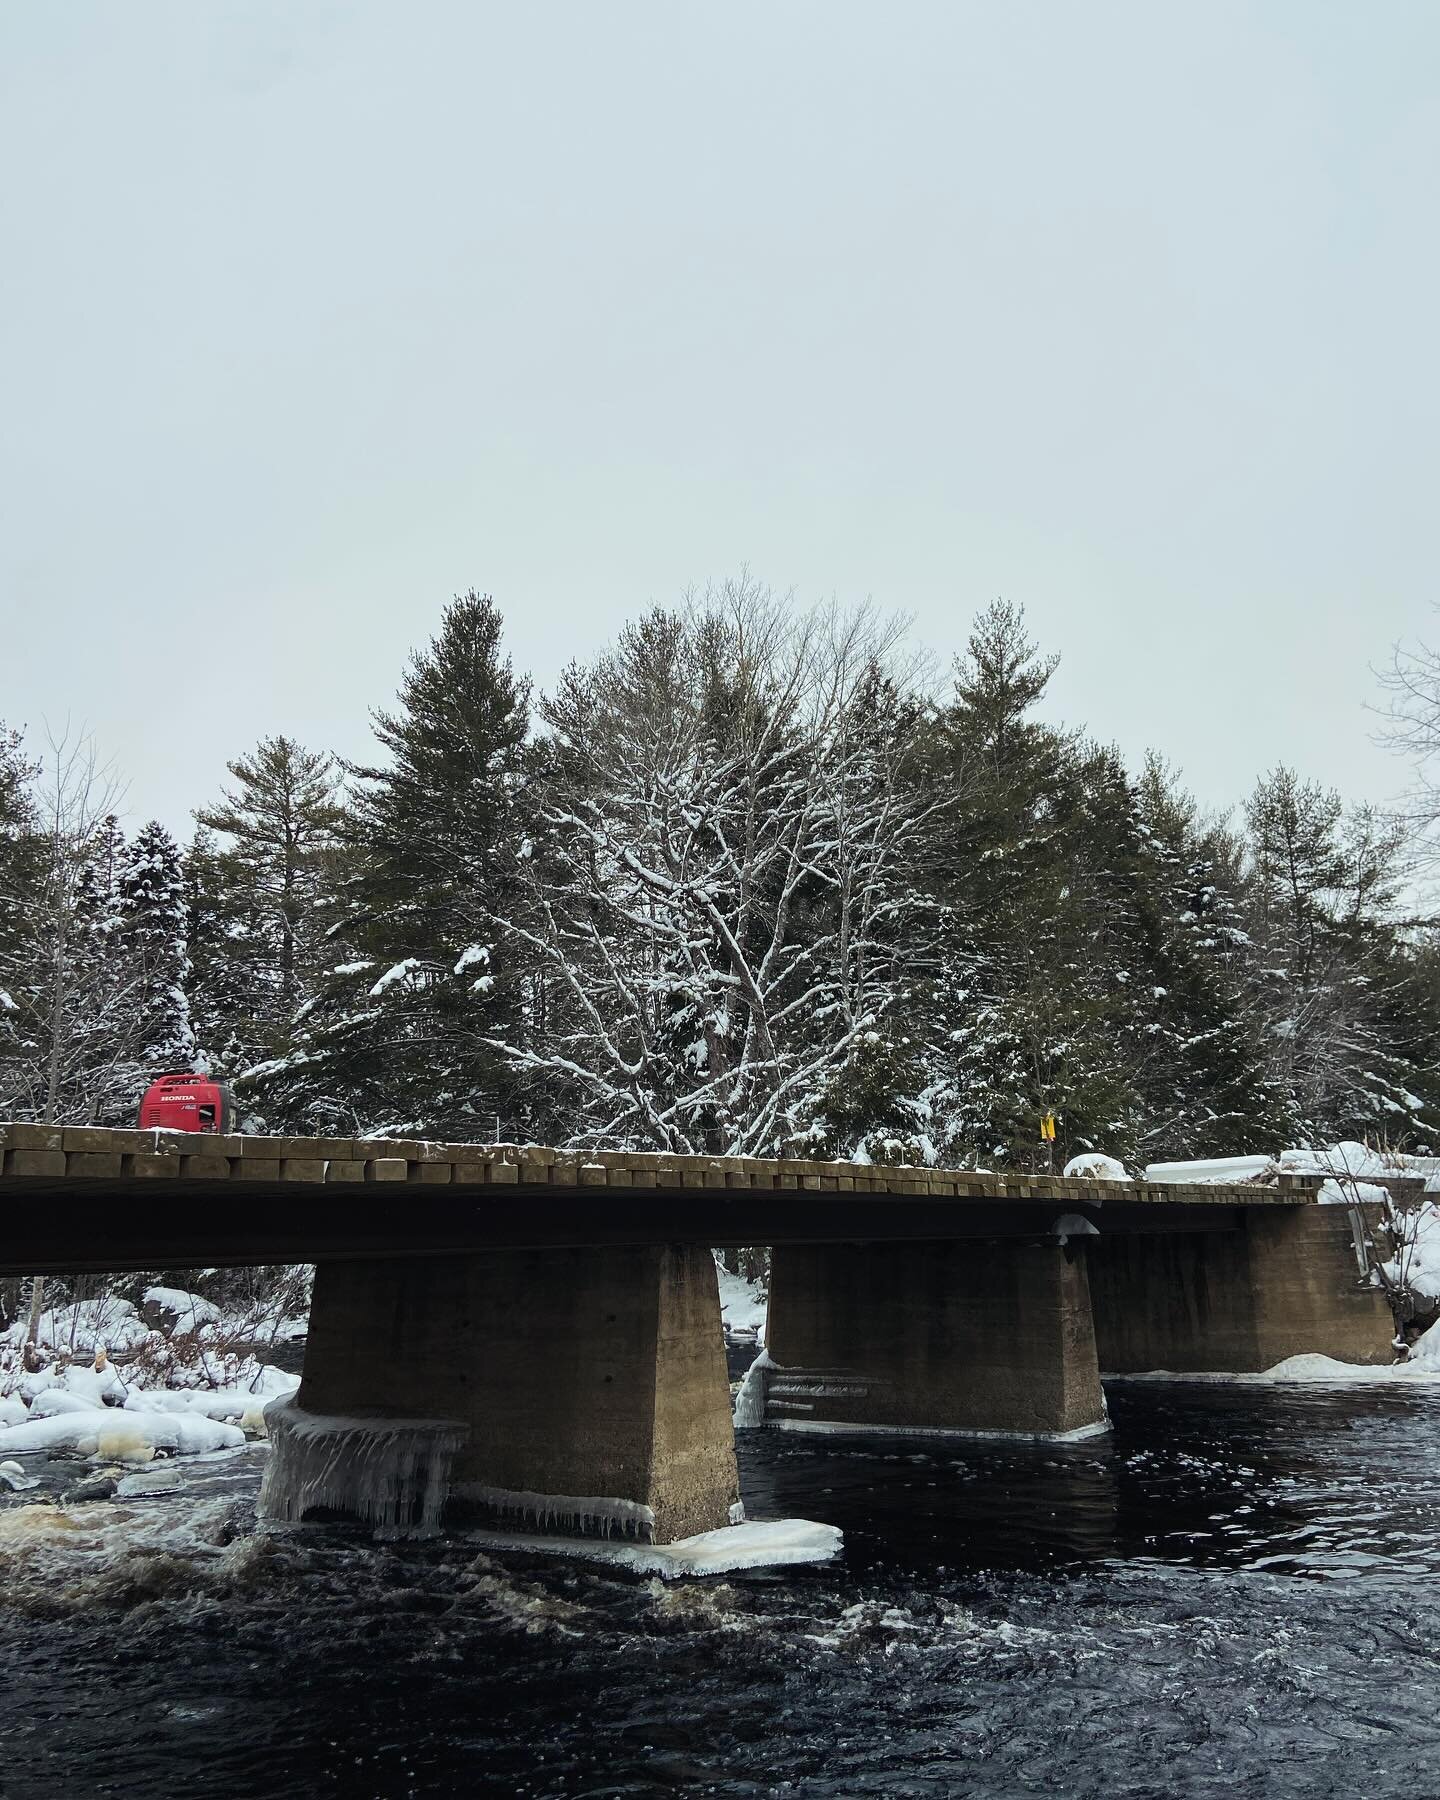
1047,1128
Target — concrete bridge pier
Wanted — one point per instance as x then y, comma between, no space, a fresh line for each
984,1336
568,1390
1285,1281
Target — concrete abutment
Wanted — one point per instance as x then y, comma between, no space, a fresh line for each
984,1336
587,1389
1285,1281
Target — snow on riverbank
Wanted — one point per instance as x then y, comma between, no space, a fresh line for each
115,1434
1422,1368
97,1411
743,1305
1416,1263
1297,1371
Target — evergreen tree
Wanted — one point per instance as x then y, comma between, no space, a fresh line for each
21,861
232,981
1323,899
1206,1089
282,819
397,1039
151,919
1027,1013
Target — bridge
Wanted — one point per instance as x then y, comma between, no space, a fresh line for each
529,1334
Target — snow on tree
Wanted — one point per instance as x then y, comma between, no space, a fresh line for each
749,888
267,888
233,985
715,901
398,1035
150,917
1324,894
1206,1084
20,863
71,1026
1027,1011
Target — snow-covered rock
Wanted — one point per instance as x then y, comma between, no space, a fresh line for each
1094,1166
176,1309
1425,1351
117,1435
243,1408
58,1402
98,1383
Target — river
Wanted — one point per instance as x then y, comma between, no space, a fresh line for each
1237,1593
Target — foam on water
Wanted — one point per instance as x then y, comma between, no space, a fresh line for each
1111,1618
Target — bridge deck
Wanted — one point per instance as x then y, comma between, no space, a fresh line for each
87,1197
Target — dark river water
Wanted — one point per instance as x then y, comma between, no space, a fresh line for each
1237,1594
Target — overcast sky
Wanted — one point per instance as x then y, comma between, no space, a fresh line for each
312,314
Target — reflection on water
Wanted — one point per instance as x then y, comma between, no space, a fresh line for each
1238,1593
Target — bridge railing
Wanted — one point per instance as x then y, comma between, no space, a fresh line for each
81,1153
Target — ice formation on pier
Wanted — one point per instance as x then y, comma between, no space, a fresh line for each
762,1544
588,1515
750,1401
393,1474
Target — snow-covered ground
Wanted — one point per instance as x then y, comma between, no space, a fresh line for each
180,1388
93,1412
743,1305
78,1328
1416,1263
1094,1165
1422,1368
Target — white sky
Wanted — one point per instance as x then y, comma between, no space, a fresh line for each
312,314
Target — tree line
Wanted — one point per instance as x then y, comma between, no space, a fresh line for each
750,881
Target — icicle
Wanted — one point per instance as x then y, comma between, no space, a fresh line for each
393,1474
587,1515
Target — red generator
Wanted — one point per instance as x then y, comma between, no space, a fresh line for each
188,1103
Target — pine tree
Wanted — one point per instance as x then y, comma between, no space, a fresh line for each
21,861
232,983
397,1039
1323,898
1024,1013
151,920
1206,1088
282,819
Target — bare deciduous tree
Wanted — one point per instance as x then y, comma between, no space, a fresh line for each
70,1016
718,900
